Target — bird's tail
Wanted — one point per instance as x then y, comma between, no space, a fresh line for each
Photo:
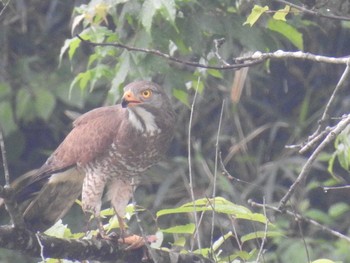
44,198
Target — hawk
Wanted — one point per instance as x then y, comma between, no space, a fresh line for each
106,150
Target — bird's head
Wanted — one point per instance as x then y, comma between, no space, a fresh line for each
146,94
149,108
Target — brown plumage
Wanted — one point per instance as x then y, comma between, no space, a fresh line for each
108,147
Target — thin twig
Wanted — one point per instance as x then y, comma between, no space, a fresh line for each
261,250
190,169
153,255
314,139
6,192
302,236
307,167
241,62
41,247
4,7
242,143
174,59
329,188
4,159
232,178
314,13
325,114
216,171
217,44
278,54
299,217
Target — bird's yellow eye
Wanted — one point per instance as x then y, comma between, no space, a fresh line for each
146,93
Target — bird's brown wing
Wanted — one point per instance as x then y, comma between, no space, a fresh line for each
47,194
92,135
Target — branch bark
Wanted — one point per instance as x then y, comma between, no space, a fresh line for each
43,246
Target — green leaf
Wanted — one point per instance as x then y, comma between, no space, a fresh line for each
76,21
24,105
71,45
282,13
218,243
150,8
244,255
257,11
57,230
219,205
323,260
181,95
319,216
6,118
170,9
182,229
342,153
44,103
215,73
179,242
5,90
288,31
260,234
338,209
331,164
122,70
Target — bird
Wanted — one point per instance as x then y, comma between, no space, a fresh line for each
108,149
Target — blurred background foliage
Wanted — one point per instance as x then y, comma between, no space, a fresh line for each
47,76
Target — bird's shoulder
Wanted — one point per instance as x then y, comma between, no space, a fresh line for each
108,113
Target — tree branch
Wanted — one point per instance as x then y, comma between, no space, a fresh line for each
278,54
174,59
303,219
41,245
241,62
314,13
307,167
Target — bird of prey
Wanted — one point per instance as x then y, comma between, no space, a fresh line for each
106,150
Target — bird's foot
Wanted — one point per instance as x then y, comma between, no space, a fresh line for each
111,236
135,241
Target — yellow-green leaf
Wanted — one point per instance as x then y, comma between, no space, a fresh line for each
182,229
219,205
323,260
260,234
257,11
282,13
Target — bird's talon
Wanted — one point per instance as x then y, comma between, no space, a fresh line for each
135,241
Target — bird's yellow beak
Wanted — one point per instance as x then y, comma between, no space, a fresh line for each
129,99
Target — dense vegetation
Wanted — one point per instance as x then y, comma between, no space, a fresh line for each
238,130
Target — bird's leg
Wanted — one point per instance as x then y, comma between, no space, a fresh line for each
91,196
90,216
101,229
122,226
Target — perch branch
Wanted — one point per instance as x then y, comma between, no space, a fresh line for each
40,245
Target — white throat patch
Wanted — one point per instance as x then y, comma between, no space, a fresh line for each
141,117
